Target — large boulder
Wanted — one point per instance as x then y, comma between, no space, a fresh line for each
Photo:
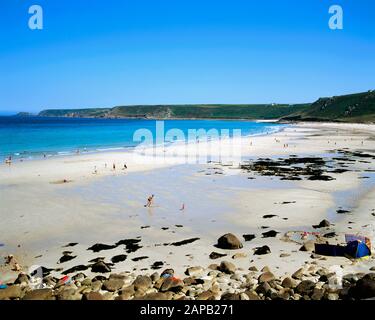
318,294
100,267
155,276
364,288
206,295
142,283
230,296
266,277
39,294
11,292
289,283
323,224
92,296
298,274
229,241
305,287
113,285
172,284
252,295
69,294
194,271
155,296
263,288
22,279
227,267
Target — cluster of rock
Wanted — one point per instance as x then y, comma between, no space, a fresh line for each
223,281
295,168
217,282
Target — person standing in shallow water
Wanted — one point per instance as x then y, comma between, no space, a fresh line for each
149,201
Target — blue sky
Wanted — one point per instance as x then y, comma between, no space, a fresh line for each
94,53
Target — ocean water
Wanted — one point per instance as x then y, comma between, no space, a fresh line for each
34,137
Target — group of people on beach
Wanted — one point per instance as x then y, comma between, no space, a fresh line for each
125,167
150,199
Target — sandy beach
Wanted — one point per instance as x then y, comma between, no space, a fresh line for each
49,203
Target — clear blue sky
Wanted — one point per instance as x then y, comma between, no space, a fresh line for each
96,53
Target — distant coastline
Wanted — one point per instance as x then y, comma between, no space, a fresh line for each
352,108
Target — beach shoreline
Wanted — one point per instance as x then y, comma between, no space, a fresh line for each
42,213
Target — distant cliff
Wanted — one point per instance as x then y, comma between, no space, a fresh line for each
232,111
76,113
359,107
25,114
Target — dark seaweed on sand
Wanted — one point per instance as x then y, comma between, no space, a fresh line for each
157,265
293,168
183,242
71,244
139,258
248,237
119,258
75,269
100,246
270,234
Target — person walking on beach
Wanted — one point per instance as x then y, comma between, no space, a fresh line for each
149,201
114,167
125,166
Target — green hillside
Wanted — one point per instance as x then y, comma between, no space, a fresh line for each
359,107
209,111
230,111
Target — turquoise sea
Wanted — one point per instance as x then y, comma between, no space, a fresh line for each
34,137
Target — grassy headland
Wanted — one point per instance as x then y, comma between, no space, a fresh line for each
359,107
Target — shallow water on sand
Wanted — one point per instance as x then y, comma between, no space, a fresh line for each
348,199
200,195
